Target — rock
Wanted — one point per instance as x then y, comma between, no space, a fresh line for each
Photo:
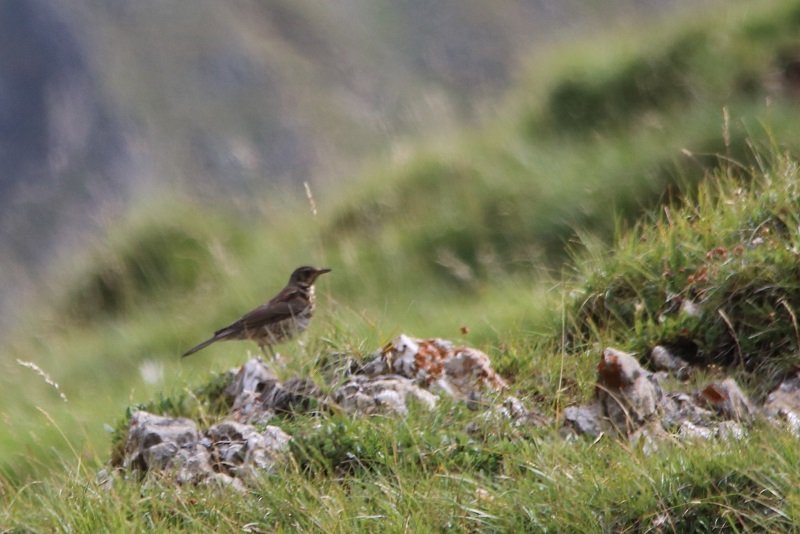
661,523
406,367
227,453
252,377
783,404
458,371
168,444
240,450
154,441
628,394
626,398
191,464
664,360
630,401
381,394
725,430
258,395
690,431
223,482
378,365
791,419
232,451
104,478
691,308
586,420
727,399
731,430
498,416
296,395
680,407
245,390
513,409
784,398
648,437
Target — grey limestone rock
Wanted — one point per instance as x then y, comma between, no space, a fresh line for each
381,394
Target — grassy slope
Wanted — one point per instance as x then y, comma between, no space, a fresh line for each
445,239
426,471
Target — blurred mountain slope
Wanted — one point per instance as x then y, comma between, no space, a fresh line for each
103,102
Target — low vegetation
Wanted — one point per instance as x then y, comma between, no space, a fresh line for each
716,280
454,467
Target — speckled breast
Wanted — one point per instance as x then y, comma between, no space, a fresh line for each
286,329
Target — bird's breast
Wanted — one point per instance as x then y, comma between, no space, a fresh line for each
311,296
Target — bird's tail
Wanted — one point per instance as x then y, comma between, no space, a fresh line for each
201,346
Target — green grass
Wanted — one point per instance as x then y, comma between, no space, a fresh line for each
454,468
527,484
732,253
571,217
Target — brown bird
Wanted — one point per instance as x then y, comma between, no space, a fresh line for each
279,320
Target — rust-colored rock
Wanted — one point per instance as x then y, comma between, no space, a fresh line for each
628,394
727,399
630,402
626,398
459,371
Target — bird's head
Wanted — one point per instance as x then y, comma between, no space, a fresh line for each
306,275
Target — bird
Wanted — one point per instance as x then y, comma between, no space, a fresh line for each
286,315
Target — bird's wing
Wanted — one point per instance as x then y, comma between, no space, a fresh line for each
284,306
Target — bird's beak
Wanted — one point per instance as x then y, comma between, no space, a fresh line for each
319,273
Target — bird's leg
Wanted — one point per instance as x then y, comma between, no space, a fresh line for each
269,352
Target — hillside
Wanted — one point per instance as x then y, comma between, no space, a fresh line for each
624,178
106,105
